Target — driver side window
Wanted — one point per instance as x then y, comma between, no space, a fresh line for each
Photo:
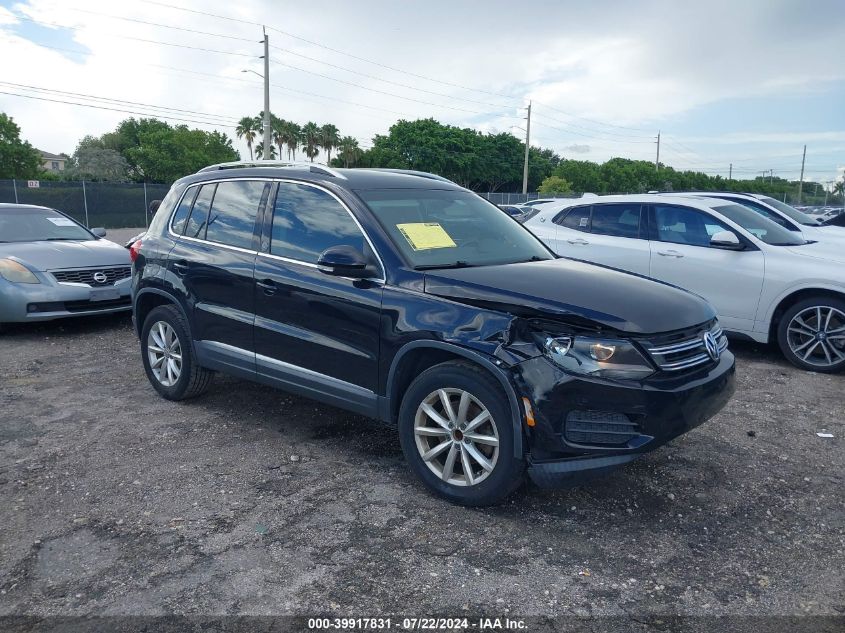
682,225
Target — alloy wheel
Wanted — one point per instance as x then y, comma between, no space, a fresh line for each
456,437
165,353
816,335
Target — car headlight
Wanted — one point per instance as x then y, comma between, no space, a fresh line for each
16,272
604,358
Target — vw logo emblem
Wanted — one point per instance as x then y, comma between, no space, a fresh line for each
100,277
711,345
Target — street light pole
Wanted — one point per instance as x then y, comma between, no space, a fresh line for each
268,132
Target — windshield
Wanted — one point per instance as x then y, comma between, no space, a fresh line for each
792,212
441,229
760,227
32,225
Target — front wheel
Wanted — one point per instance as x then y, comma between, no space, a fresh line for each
456,430
811,334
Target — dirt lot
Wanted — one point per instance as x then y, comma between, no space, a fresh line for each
251,501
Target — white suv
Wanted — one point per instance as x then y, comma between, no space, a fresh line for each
767,283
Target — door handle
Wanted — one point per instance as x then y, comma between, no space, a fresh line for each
267,285
670,254
180,267
578,240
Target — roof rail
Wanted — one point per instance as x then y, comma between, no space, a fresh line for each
414,172
277,164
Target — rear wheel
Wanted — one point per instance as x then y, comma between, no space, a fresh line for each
811,334
456,430
168,355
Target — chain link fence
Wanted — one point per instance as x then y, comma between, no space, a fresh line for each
93,204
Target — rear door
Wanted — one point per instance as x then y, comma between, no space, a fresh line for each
681,255
214,258
313,331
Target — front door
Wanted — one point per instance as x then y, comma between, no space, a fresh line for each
314,331
681,254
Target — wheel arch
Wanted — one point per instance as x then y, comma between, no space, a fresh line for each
794,296
417,356
149,298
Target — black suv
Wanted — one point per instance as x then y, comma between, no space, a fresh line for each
409,299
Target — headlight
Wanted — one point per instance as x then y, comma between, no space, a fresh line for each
605,358
11,270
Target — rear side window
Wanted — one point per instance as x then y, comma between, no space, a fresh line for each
577,218
177,224
307,221
199,214
617,220
231,219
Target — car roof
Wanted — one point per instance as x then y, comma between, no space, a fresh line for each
356,179
7,206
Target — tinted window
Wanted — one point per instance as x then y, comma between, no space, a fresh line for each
199,214
792,212
765,212
177,225
682,225
578,219
760,227
234,209
437,228
307,221
619,220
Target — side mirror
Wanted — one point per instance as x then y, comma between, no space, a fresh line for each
99,232
727,240
344,261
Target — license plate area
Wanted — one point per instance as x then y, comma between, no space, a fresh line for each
104,294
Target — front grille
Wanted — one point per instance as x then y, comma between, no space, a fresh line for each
689,352
86,275
599,427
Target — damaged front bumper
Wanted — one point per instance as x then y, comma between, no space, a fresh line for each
584,426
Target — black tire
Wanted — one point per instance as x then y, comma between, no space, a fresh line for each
834,347
508,469
193,380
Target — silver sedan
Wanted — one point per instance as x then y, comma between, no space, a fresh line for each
53,267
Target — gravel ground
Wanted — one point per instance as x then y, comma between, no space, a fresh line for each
247,500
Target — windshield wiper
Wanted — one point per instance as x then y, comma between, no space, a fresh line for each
534,258
63,239
458,264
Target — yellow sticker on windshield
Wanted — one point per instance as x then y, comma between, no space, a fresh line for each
425,235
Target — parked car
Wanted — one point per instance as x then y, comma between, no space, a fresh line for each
812,228
512,210
767,283
51,267
837,220
422,305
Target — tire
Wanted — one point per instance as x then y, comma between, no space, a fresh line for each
813,343
191,380
419,433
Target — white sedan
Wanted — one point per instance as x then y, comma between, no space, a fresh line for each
767,283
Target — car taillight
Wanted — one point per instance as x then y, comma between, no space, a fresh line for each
135,250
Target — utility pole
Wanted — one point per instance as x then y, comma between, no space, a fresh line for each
657,159
730,171
268,132
801,181
527,146
771,176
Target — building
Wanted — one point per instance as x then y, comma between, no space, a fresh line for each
53,162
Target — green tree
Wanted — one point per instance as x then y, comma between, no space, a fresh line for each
329,139
247,130
259,151
311,140
349,152
18,159
553,185
278,132
93,163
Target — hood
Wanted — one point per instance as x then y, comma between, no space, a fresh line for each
833,252
43,256
574,291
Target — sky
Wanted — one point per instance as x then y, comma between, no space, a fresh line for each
723,81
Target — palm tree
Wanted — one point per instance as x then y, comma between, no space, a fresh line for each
349,150
259,151
293,134
279,126
329,139
311,139
247,130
